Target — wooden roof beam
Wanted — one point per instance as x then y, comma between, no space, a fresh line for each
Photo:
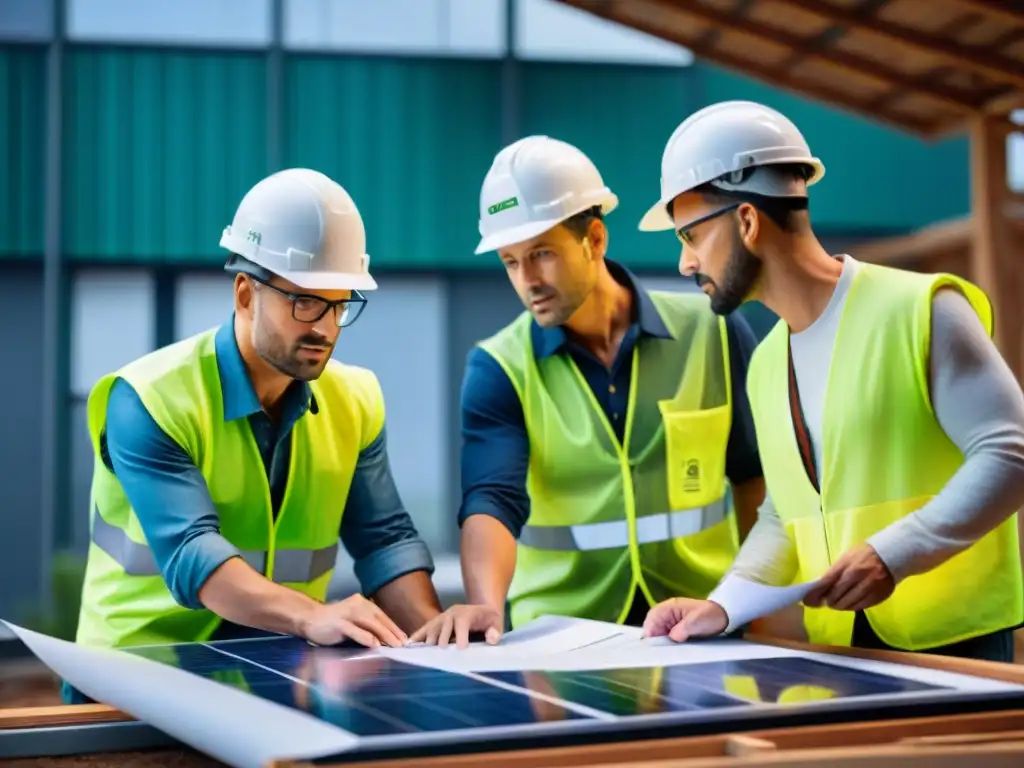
636,18
1004,10
975,58
840,59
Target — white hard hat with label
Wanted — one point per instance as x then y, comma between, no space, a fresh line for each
533,185
304,227
721,144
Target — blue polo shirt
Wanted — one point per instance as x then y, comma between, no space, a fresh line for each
496,449
174,508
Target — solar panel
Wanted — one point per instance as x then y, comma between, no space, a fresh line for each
366,695
394,705
695,687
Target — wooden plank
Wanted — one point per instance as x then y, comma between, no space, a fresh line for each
1008,673
965,738
974,58
650,752
1008,755
45,717
741,745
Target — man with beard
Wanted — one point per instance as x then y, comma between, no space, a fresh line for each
890,428
229,464
608,458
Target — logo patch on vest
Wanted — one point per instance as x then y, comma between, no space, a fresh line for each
511,202
691,482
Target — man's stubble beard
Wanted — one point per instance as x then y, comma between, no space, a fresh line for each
741,274
273,351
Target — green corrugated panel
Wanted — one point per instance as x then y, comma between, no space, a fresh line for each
621,117
159,147
877,178
22,165
410,139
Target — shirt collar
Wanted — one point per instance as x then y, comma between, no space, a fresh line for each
551,341
240,400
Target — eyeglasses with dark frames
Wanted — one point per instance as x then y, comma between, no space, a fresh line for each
309,309
683,233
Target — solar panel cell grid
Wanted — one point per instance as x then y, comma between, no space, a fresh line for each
371,695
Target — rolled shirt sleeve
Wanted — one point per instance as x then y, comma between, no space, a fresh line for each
376,529
168,494
495,452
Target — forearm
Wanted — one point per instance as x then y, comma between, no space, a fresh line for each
979,404
768,555
392,563
409,600
488,561
241,595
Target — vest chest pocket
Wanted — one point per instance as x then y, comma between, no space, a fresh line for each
695,443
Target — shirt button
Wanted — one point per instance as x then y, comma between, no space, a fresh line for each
615,416
611,388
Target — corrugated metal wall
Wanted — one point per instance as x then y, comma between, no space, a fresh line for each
23,137
411,140
160,145
621,117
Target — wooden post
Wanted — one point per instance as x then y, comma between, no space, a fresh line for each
996,264
996,258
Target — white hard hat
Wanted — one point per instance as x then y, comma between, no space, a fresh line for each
304,227
721,144
533,185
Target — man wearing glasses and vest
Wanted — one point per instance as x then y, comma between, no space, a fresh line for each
890,428
229,464
608,458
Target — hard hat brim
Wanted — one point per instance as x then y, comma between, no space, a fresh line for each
515,235
330,281
656,219
532,229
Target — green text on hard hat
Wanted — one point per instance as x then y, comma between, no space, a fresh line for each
512,202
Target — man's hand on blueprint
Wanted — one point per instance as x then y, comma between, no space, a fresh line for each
354,618
460,620
681,618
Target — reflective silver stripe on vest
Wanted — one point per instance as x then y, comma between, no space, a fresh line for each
290,565
614,534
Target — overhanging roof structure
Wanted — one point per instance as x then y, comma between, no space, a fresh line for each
925,66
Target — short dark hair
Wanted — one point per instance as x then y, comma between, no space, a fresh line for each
789,213
579,223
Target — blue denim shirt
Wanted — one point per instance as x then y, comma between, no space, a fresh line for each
170,496
495,446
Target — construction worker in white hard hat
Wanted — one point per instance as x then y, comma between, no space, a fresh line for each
890,428
229,464
608,459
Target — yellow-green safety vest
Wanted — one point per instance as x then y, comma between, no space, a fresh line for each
653,512
884,455
125,600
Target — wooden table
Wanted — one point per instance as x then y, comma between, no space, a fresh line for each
992,739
